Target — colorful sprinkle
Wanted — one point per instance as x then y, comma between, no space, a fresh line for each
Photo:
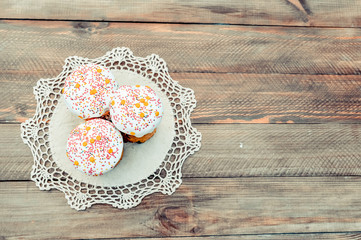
95,159
157,113
92,140
86,79
112,102
137,117
99,70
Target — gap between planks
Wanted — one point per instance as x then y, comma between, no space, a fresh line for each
176,23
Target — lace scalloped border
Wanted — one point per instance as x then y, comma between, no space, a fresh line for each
80,195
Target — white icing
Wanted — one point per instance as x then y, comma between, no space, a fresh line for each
95,147
78,89
136,110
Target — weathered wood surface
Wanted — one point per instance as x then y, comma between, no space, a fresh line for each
40,46
32,50
331,13
201,206
241,74
229,98
275,236
267,150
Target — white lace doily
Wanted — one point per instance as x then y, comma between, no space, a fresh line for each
126,185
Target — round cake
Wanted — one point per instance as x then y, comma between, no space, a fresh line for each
95,147
86,90
136,111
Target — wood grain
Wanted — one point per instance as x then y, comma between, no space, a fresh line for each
200,207
328,13
274,98
241,74
41,47
267,150
275,236
230,98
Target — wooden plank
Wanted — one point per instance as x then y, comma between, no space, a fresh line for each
281,236
42,46
274,98
229,98
261,12
200,207
267,150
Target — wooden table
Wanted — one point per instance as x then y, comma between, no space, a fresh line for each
278,85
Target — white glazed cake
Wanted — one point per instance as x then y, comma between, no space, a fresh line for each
86,90
136,110
95,147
